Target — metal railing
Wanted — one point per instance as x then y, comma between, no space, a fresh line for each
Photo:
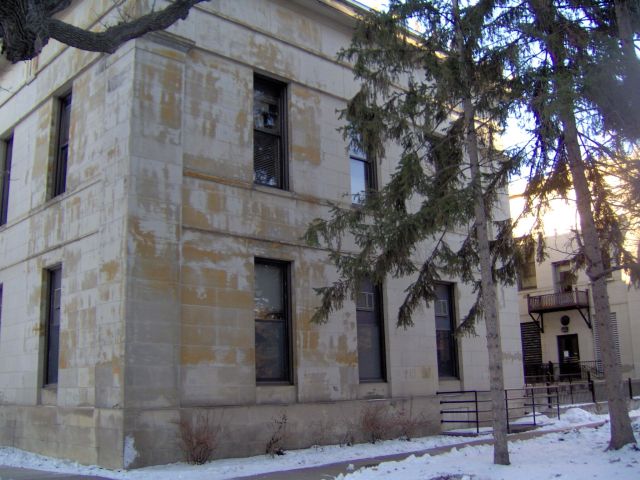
545,398
468,404
472,407
557,373
469,407
550,301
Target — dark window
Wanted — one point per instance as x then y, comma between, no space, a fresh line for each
445,325
59,183
6,177
269,133
1,292
370,333
527,272
272,321
54,290
362,175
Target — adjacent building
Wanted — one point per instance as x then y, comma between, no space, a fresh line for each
560,340
151,261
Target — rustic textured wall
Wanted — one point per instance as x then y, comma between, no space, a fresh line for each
157,235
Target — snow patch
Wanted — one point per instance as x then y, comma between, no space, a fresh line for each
130,453
577,415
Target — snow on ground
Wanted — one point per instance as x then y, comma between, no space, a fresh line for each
575,454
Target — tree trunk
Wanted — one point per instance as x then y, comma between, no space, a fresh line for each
489,296
621,431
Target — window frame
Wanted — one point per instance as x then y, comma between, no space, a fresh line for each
282,183
370,177
453,341
378,311
51,367
287,348
531,264
6,179
560,268
1,305
61,154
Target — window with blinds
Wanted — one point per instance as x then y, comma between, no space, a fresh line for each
362,175
613,320
6,177
59,171
269,133
370,326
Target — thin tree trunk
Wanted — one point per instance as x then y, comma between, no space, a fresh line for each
489,297
621,431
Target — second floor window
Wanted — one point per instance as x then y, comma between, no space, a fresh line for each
6,177
565,279
269,133
362,175
59,171
527,272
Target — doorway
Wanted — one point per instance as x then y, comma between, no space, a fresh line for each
569,356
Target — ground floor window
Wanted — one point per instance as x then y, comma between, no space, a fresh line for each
272,311
371,365
445,326
53,304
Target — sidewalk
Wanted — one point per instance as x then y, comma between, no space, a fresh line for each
14,473
320,472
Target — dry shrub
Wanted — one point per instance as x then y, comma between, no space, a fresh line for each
275,445
406,425
321,431
199,438
348,432
374,422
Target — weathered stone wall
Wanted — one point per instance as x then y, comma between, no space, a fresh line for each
83,230
158,232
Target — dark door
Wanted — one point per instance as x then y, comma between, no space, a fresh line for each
568,356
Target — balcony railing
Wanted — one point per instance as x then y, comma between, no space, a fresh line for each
558,301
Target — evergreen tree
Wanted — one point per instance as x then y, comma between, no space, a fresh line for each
577,66
439,94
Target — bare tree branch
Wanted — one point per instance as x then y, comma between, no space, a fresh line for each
27,25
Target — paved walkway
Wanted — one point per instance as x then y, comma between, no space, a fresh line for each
321,472
14,473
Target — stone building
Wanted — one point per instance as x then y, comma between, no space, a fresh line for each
150,256
560,339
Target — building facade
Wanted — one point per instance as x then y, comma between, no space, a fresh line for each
151,266
560,339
